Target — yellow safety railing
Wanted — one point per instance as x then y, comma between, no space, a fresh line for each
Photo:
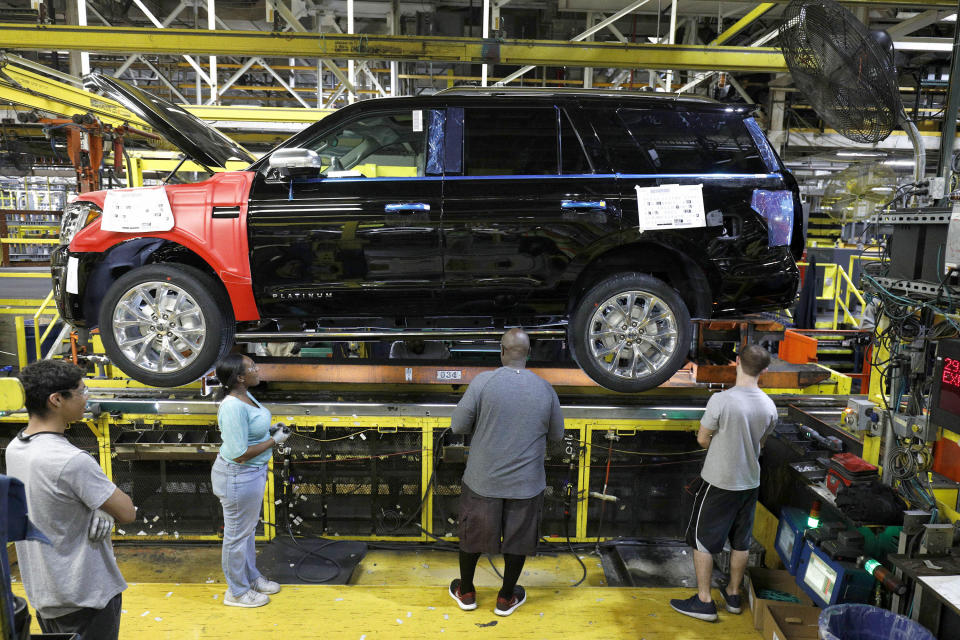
838,288
38,339
845,303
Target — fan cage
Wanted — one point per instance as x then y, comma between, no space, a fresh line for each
849,79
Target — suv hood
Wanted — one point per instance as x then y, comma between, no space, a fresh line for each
197,139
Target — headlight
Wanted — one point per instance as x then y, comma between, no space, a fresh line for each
76,216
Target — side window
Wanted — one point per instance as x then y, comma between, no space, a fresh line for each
692,141
509,141
573,159
621,148
384,144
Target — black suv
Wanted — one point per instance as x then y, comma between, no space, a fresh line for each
605,218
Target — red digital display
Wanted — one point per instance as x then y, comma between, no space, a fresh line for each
950,386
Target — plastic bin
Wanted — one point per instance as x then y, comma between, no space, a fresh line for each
865,622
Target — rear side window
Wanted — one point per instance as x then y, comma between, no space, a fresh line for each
504,142
679,141
573,159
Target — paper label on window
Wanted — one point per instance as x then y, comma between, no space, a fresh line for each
418,120
137,210
670,206
73,281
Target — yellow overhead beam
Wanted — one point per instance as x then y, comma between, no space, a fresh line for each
379,47
257,114
743,22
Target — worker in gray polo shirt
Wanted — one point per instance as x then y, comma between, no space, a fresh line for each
733,429
511,413
75,586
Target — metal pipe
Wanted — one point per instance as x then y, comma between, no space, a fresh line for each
948,131
394,30
351,64
588,71
356,334
672,39
212,26
889,444
486,34
919,149
82,21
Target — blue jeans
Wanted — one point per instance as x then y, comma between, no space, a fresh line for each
240,489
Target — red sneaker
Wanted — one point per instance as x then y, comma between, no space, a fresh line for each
506,607
466,601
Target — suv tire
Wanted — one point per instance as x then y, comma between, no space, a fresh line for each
631,332
168,323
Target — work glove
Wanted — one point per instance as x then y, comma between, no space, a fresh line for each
101,523
280,433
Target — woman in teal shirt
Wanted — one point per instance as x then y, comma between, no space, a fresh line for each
239,477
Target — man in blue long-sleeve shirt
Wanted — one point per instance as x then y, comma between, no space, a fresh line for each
510,412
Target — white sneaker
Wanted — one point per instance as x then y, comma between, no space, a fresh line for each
265,586
250,599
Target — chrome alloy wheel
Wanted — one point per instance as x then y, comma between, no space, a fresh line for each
159,327
632,334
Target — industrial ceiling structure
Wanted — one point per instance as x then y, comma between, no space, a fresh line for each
278,58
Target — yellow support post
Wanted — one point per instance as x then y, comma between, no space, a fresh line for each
583,481
136,171
871,449
426,473
20,328
269,504
101,429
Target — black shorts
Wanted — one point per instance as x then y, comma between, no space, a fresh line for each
499,525
720,515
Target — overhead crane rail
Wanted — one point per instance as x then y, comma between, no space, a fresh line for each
385,47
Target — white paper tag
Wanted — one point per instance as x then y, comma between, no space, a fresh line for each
137,210
73,282
418,120
775,636
752,604
670,206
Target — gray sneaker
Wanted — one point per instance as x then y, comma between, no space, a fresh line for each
250,599
265,586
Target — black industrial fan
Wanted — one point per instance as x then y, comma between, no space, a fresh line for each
846,72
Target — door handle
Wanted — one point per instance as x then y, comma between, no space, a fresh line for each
404,207
574,205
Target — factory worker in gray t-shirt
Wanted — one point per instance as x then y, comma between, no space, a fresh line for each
732,430
510,413
75,584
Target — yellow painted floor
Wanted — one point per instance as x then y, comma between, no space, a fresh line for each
177,593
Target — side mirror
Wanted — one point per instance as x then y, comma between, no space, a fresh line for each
294,160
